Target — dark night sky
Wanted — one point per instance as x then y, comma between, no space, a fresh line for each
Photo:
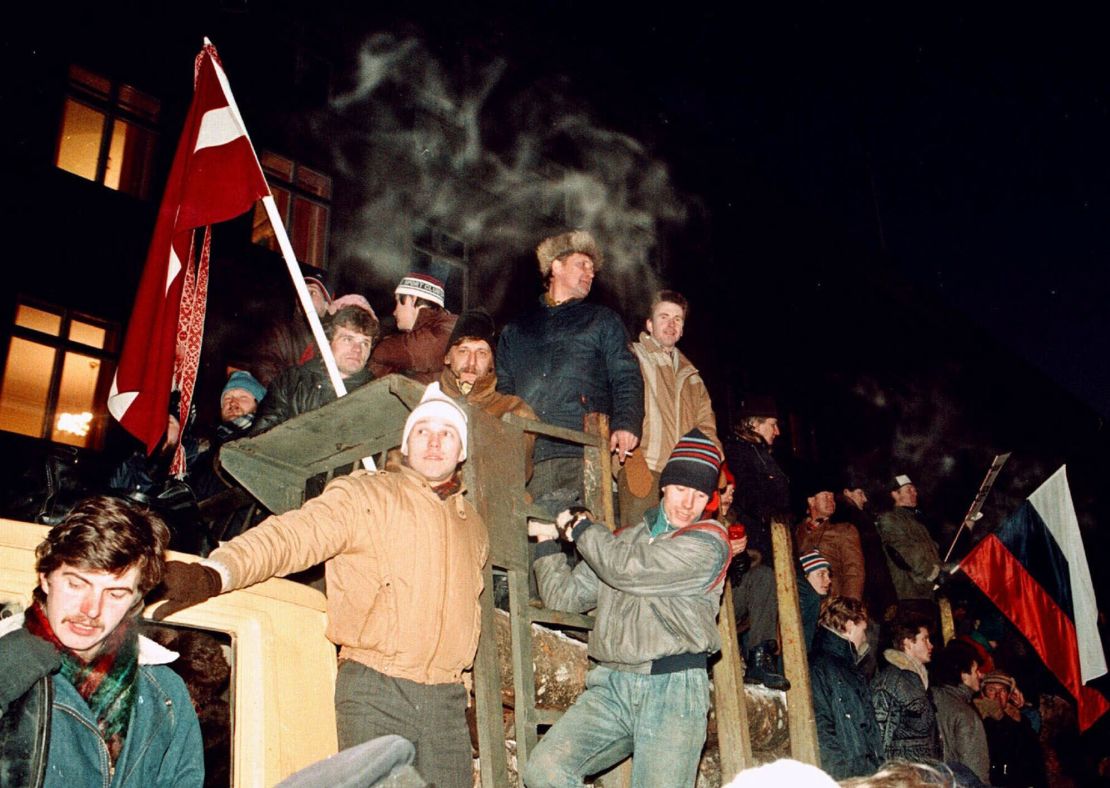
965,150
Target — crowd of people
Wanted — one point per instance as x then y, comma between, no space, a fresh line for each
404,551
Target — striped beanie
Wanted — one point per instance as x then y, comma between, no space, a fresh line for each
421,286
812,561
695,462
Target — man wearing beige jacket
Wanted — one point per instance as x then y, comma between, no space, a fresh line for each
403,553
675,402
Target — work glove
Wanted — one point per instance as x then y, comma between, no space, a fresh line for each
568,519
24,659
186,585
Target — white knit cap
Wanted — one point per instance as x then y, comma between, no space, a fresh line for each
435,405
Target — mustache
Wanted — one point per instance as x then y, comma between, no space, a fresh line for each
82,621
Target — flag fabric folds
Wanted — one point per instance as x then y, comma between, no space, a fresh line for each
215,177
1034,569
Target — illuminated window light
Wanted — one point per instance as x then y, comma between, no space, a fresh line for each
75,423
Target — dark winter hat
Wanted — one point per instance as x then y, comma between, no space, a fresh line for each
245,381
421,286
758,406
900,481
695,462
565,244
473,324
316,275
812,561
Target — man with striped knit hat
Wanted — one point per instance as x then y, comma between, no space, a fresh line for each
657,589
423,324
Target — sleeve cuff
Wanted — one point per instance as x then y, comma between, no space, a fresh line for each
579,529
544,549
222,570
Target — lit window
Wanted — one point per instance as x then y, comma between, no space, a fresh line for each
108,132
56,375
303,198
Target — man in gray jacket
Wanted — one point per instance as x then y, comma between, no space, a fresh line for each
657,589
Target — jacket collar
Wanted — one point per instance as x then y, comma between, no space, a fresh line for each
835,644
150,652
904,661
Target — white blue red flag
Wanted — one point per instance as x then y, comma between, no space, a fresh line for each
1034,569
215,177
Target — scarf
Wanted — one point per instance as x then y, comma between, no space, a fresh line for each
447,488
107,684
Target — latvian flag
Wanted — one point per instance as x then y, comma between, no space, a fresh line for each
1035,571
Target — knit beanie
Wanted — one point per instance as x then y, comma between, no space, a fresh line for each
900,481
473,324
246,381
695,462
436,405
422,286
999,677
812,561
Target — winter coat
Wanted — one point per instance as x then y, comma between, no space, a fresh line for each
162,749
485,396
298,390
810,603
1016,756
568,360
962,737
838,542
417,353
655,597
878,590
905,713
675,401
762,489
847,732
403,570
282,346
911,553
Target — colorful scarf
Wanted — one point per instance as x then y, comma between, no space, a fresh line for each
447,488
107,683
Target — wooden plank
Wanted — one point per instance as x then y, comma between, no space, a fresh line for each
799,698
524,680
733,732
493,764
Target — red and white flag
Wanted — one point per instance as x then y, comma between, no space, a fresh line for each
215,177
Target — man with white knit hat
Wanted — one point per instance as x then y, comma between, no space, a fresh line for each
403,553
657,589
424,325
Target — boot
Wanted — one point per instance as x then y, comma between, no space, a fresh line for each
761,667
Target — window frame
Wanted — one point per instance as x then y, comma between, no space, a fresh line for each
288,186
113,108
62,345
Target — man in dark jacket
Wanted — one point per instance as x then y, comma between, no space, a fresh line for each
911,552
847,732
657,589
899,692
956,679
84,699
568,358
351,333
814,582
423,327
284,342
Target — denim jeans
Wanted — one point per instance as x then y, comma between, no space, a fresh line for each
660,720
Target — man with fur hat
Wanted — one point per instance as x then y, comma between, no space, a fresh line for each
675,401
85,699
657,589
403,552
567,358
468,374
423,325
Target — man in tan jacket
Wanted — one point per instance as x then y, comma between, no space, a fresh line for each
675,402
838,542
403,553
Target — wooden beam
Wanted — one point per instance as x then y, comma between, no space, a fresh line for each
733,731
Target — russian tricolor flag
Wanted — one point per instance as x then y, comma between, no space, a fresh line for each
1035,571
